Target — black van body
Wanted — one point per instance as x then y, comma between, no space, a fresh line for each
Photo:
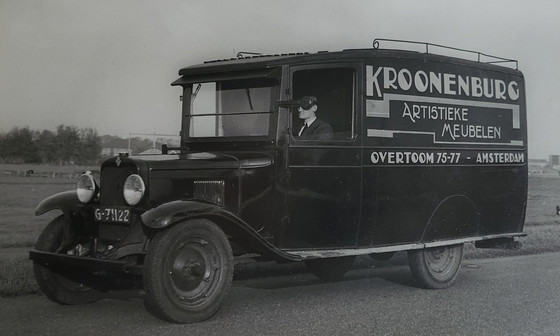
428,152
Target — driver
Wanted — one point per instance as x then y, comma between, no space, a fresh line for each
312,127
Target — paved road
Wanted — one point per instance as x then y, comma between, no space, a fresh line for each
508,296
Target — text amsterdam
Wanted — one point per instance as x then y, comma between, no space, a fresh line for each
442,157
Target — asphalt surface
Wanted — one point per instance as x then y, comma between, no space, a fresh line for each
506,296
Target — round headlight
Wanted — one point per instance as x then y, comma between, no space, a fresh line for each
86,188
133,189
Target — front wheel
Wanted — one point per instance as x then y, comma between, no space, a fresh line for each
188,271
436,268
65,286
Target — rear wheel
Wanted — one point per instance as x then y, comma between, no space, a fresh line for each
188,271
65,286
330,268
436,268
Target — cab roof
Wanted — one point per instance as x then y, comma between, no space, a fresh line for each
252,62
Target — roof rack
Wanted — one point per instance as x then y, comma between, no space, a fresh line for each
247,54
494,59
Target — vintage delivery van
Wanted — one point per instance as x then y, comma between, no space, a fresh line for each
419,152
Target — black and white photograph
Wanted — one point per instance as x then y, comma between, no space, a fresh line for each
313,167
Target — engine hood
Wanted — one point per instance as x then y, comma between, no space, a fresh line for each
205,160
180,166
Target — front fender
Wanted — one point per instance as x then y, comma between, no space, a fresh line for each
177,211
168,213
64,201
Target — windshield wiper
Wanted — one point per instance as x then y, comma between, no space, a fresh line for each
249,97
193,96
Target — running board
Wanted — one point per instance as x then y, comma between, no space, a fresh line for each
343,252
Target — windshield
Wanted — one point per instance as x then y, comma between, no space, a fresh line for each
231,108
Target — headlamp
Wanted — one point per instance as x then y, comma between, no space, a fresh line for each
134,189
86,188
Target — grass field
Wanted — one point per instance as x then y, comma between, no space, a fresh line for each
544,196
19,228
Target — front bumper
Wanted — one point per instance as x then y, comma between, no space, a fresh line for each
87,263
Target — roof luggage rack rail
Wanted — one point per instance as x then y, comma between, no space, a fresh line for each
493,59
248,54
243,54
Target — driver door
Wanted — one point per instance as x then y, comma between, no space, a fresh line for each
325,182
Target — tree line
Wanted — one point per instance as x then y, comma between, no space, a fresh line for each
66,145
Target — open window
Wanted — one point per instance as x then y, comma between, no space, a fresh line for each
231,108
334,89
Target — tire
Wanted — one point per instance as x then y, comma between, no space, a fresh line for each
61,285
330,268
384,256
436,268
187,272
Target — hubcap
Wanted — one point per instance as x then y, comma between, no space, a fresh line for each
193,270
440,261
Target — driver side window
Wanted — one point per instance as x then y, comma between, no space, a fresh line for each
333,92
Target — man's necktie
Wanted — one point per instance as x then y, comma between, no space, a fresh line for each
302,129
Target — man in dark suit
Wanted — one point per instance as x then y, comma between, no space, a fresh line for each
312,128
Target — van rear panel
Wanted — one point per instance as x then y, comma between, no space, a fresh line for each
445,150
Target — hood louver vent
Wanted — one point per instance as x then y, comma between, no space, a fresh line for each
211,191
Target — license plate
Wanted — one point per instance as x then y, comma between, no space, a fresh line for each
112,214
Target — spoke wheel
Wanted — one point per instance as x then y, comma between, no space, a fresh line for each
330,268
65,286
188,271
436,268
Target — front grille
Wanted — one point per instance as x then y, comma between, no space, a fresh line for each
112,183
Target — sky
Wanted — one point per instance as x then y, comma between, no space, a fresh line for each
108,64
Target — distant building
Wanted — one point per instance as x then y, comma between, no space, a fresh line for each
113,151
151,151
554,160
537,166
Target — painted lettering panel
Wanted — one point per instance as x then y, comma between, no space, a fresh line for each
396,157
414,104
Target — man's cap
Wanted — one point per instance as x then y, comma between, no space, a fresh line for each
307,102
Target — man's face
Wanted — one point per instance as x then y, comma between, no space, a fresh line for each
306,114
